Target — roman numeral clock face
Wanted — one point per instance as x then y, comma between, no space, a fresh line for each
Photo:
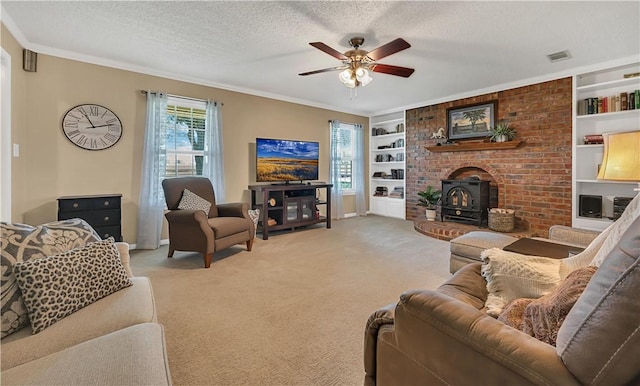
92,127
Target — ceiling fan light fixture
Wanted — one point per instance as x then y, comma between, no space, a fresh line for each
362,76
345,76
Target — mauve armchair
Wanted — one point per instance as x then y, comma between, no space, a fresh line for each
194,230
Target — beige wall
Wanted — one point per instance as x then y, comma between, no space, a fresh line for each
50,166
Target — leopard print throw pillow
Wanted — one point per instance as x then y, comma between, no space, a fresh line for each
21,242
192,201
54,287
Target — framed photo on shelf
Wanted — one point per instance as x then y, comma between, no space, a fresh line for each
471,121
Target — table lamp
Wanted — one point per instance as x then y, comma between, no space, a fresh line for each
621,160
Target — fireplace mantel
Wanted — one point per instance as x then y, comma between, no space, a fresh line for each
471,146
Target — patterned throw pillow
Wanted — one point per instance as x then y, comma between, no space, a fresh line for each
192,201
543,317
54,287
21,242
254,214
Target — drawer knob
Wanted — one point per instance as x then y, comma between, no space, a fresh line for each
106,203
106,218
75,204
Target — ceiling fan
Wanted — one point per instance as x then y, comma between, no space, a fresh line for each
357,63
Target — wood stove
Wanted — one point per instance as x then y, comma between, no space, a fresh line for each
465,201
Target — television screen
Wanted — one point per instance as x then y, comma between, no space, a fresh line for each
286,160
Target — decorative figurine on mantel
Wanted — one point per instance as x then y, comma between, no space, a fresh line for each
439,136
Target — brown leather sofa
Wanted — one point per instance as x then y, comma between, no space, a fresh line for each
445,337
194,230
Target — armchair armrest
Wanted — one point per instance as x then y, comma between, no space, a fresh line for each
234,209
186,216
462,344
569,235
190,218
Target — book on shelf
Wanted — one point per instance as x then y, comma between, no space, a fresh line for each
609,104
593,139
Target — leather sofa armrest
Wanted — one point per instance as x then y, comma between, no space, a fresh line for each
234,209
574,236
462,344
379,318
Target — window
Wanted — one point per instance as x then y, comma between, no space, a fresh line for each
344,137
184,137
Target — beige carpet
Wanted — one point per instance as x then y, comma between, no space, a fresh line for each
292,311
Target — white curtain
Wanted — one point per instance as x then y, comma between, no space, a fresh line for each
214,157
151,203
358,169
337,210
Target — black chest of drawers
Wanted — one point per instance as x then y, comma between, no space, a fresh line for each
102,212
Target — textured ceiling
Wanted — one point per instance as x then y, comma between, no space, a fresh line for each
259,47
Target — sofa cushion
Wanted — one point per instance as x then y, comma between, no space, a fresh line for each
192,201
21,242
599,341
127,307
132,356
57,286
471,245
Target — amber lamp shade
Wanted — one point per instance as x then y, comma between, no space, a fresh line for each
621,159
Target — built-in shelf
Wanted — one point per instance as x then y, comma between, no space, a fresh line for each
475,146
386,195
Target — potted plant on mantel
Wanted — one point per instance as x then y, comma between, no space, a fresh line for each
429,199
502,132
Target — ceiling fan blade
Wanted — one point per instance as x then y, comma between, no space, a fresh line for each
390,48
392,70
325,48
323,70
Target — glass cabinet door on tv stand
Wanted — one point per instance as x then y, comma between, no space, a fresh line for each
291,206
300,209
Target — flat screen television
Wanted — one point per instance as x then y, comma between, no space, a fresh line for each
282,160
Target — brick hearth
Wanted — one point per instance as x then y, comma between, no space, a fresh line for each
450,230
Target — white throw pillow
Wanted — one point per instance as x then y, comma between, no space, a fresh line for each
192,201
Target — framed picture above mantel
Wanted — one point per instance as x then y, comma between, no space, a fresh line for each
471,121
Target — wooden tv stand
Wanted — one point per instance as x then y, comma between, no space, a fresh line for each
289,206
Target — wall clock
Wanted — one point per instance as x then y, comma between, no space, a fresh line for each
92,127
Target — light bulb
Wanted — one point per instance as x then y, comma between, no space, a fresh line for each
345,76
351,83
362,75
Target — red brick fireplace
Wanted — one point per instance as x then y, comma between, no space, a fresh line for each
534,178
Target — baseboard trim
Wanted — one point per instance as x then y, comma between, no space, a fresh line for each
162,242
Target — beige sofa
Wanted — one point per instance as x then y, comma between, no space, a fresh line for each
445,337
114,341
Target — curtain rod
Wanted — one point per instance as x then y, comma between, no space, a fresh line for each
145,92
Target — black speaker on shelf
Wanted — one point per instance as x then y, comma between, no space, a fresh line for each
590,206
619,205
